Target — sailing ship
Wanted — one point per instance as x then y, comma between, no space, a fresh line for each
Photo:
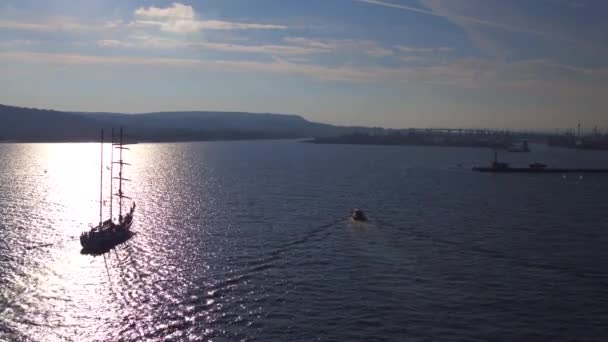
111,232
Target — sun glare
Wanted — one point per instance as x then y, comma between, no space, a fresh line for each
74,170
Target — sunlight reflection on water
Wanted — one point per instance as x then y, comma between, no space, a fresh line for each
251,241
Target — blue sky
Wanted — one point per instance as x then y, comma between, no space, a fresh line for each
539,64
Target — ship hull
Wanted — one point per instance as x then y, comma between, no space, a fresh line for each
102,241
540,170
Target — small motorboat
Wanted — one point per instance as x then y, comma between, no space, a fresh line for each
359,215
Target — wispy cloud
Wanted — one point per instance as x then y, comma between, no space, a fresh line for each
291,46
379,52
481,25
570,3
398,6
262,48
17,43
180,18
423,55
369,47
415,49
473,73
451,16
322,44
176,11
80,59
56,24
113,43
411,59
144,41
342,74
177,18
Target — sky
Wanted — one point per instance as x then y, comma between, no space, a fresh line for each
515,64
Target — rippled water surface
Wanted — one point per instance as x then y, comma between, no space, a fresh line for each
250,241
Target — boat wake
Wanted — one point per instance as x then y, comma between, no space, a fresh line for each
315,234
312,234
496,254
45,245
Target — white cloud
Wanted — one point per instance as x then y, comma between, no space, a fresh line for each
180,18
175,12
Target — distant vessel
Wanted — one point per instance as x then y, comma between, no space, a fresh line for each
111,232
574,139
522,148
537,165
499,167
359,215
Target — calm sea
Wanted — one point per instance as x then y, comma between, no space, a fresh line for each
251,241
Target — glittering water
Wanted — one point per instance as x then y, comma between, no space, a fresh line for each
250,241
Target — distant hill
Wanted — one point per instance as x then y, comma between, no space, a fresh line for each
30,124
25,124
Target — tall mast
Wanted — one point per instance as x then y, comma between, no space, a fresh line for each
120,178
120,194
112,175
101,183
